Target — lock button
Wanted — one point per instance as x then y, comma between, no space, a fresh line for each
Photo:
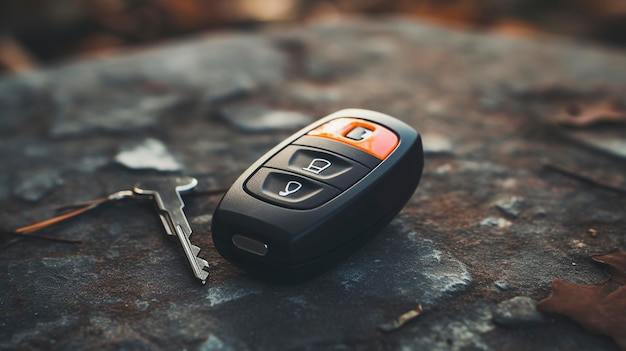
288,189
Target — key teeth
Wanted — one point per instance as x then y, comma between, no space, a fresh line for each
204,266
195,249
203,274
202,263
204,277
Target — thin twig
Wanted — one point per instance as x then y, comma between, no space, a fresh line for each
10,242
48,222
46,237
583,179
37,236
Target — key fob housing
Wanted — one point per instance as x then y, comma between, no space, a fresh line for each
318,195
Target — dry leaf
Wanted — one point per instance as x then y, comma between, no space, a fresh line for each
616,261
598,308
589,114
400,321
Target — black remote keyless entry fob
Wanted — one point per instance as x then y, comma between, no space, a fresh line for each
317,196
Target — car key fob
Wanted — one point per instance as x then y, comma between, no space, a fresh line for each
317,196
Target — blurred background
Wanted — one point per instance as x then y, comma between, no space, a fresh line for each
35,33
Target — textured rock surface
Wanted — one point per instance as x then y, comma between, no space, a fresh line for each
483,102
517,312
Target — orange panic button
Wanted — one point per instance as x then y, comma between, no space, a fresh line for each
367,136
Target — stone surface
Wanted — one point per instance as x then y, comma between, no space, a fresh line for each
484,104
259,119
467,332
35,185
519,311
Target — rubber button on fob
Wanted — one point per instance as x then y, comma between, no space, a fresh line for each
359,133
324,166
368,136
340,148
288,189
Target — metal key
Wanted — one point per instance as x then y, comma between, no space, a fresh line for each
166,194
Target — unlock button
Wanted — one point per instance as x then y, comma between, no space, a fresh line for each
288,189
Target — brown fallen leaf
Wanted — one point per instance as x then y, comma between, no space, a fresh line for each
616,261
598,308
581,116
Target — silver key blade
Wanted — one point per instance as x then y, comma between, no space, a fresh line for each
166,194
191,251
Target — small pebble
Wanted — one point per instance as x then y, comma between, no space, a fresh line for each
578,244
149,154
435,143
511,207
501,284
520,311
142,305
443,169
496,222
